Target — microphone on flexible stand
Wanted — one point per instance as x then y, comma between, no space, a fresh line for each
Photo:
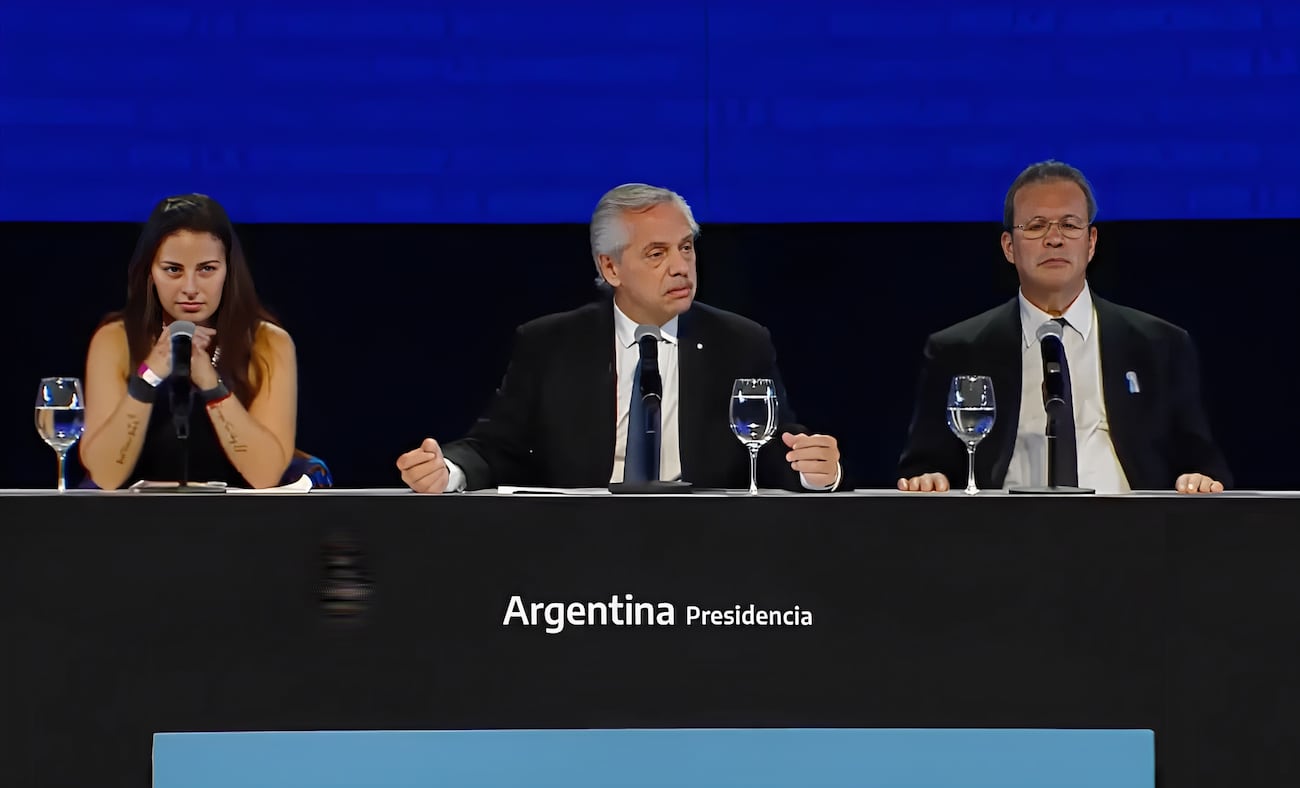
180,398
180,392
644,428
1062,451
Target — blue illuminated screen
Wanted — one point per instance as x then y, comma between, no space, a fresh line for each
521,112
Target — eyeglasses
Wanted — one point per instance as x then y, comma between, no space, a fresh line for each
1036,228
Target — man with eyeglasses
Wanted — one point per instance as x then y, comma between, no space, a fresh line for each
1139,423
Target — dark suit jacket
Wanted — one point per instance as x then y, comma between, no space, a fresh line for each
1159,432
552,421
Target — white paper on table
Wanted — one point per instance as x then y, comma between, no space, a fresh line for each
301,486
145,484
552,491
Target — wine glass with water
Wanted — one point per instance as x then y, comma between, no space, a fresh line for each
971,412
60,417
754,409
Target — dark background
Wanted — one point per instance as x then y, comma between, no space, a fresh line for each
403,331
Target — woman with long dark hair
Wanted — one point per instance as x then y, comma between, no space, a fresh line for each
242,390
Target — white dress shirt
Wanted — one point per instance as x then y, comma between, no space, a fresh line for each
626,356
1099,468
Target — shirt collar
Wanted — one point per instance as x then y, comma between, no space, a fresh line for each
1079,315
625,329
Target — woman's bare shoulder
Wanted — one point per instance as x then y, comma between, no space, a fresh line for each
268,330
109,337
273,338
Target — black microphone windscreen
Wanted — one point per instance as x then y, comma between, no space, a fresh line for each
1050,329
643,331
647,338
182,337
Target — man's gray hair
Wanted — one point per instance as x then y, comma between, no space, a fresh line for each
609,234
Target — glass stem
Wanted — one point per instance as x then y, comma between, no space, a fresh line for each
63,482
971,489
753,470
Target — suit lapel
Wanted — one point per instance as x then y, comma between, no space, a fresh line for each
1005,338
593,395
691,407
1120,355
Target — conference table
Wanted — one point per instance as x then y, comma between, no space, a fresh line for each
125,614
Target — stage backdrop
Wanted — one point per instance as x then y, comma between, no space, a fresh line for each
411,180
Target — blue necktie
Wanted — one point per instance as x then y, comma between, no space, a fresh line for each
641,460
1067,453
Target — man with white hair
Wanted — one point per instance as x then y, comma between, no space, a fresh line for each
563,414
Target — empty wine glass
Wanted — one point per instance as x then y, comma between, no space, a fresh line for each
754,409
971,413
60,417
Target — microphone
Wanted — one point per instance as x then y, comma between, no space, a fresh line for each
652,390
652,387
181,397
182,337
1062,450
1051,341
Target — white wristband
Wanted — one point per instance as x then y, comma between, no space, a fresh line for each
149,376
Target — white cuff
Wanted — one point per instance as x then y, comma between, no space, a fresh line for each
455,477
839,473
